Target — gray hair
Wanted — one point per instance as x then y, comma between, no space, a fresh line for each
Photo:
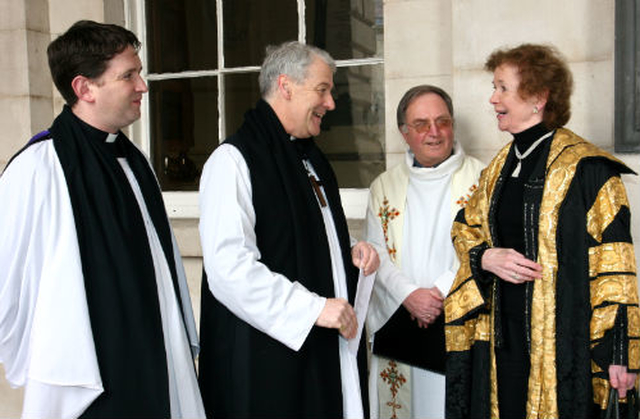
291,58
414,93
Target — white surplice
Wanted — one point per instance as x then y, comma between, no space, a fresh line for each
46,341
278,306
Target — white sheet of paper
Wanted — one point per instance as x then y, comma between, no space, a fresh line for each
363,295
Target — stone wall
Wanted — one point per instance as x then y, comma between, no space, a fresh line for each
426,41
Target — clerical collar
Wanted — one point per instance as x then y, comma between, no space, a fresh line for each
105,140
419,165
451,164
91,132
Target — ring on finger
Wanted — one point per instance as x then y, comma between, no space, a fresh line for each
516,276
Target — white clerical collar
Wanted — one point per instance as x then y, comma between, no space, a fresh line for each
111,138
445,168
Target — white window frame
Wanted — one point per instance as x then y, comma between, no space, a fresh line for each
185,204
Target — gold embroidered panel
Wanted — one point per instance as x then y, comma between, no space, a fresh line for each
602,319
611,197
462,301
634,354
613,288
461,338
600,391
611,258
562,163
466,237
633,317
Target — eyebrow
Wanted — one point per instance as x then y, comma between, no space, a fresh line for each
415,120
131,70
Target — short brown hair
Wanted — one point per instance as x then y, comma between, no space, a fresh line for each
414,93
542,69
85,49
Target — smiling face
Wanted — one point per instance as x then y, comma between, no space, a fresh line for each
435,145
309,101
515,114
117,93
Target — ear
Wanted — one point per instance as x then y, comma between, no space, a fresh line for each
83,88
284,86
540,100
404,131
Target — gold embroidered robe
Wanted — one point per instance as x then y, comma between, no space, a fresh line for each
584,311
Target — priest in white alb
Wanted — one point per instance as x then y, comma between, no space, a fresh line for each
409,217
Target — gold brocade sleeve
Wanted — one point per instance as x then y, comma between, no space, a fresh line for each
470,231
614,286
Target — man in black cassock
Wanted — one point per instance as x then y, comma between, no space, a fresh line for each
280,272
95,317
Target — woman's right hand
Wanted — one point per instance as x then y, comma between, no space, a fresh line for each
510,265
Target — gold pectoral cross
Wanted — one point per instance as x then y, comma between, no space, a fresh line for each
316,188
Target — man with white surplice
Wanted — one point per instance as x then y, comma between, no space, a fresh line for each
95,315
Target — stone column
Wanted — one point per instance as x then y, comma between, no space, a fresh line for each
25,87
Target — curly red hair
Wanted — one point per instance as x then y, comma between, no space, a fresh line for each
542,71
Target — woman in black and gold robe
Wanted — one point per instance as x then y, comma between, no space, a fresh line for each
543,315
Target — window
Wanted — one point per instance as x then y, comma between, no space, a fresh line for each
627,77
202,64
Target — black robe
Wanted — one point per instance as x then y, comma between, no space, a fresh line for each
244,373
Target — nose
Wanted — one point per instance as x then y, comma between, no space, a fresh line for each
434,130
493,99
329,103
141,85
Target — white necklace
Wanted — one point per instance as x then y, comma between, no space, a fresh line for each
524,155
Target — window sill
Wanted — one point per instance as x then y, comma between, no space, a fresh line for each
184,205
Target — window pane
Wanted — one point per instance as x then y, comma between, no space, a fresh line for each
241,94
184,114
181,35
251,25
352,135
184,129
345,28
